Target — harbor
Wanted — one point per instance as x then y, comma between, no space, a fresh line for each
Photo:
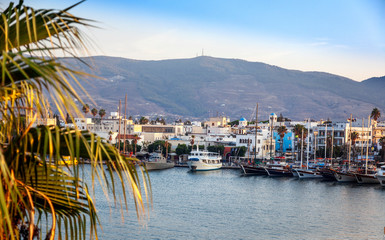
223,204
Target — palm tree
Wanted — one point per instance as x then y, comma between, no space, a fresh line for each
143,120
282,130
376,114
354,137
298,134
94,112
34,191
102,113
86,109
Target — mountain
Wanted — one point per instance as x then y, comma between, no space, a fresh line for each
203,86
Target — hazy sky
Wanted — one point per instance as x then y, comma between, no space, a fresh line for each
344,37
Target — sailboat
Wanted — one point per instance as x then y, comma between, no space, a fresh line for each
307,173
369,176
345,175
254,169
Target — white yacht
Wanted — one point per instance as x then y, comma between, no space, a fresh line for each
204,161
381,175
158,162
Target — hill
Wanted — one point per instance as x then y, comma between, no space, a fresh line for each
203,86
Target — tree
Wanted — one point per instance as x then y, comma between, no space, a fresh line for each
34,191
298,134
353,138
94,112
86,109
181,149
376,114
282,130
143,121
102,113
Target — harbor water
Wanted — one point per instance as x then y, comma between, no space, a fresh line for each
223,204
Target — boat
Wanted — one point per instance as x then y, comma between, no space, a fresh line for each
327,174
157,162
253,170
204,161
381,175
370,178
278,171
308,173
344,176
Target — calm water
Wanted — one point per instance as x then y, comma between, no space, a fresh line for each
223,205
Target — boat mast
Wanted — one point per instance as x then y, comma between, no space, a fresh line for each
120,105
362,138
256,134
367,147
331,155
307,148
350,137
302,148
125,126
326,137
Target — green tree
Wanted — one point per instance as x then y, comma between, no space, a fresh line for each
102,113
143,121
219,149
375,114
34,191
382,142
181,149
354,137
159,144
86,109
298,135
94,112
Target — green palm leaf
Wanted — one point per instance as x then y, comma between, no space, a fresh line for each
32,185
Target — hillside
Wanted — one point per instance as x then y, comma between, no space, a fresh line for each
203,86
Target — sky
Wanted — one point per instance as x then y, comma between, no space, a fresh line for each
343,37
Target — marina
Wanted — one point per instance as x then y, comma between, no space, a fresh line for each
224,204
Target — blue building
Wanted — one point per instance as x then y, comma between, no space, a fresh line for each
287,141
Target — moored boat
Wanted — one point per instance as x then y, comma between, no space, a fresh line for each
204,161
328,174
366,178
278,171
308,173
381,175
344,176
253,170
158,162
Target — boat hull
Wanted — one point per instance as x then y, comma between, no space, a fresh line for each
345,177
274,172
256,170
150,166
381,179
200,166
308,174
366,178
328,175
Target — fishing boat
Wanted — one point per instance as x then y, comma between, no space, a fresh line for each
381,175
204,161
158,162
